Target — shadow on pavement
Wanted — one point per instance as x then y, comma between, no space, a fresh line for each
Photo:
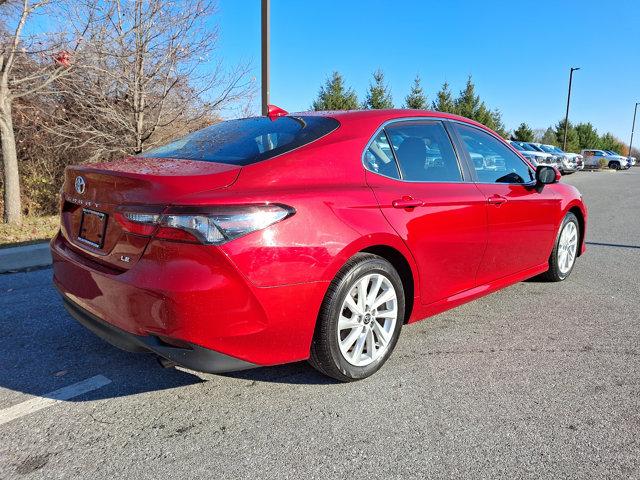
300,373
44,349
39,360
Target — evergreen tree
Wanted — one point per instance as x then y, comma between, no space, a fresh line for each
483,115
523,133
333,95
549,137
444,100
587,136
609,142
416,98
491,119
572,136
378,96
468,104
498,126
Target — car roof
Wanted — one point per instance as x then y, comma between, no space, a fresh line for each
384,115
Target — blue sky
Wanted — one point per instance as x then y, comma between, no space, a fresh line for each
518,53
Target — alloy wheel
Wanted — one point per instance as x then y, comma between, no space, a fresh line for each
367,319
567,247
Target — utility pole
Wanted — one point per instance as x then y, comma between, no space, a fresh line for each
566,117
633,126
266,27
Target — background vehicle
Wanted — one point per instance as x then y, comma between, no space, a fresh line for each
534,156
554,158
276,239
592,159
569,162
625,162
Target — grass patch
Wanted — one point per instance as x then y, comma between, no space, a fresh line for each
32,230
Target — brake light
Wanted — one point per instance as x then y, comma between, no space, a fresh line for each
208,225
138,223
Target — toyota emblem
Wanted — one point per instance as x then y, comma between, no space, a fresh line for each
80,185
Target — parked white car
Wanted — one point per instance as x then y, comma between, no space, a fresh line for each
592,158
555,159
566,162
621,157
534,156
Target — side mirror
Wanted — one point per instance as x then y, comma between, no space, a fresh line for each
546,175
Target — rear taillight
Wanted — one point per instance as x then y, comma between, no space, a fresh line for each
138,223
208,225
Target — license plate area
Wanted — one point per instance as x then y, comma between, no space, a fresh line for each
92,227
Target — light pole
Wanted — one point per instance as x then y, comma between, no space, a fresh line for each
633,126
566,117
266,27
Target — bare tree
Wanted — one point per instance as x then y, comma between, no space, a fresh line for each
17,81
145,73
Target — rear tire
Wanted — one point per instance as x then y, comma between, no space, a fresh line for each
360,319
565,250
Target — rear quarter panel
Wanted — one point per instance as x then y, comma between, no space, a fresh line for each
336,216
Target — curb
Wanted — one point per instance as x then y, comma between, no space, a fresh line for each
15,259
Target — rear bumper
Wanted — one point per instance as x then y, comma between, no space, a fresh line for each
191,356
189,293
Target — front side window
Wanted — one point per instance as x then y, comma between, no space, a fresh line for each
493,161
247,140
424,151
379,158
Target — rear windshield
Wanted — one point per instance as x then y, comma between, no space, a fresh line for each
247,140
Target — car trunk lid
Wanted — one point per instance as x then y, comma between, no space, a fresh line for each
96,196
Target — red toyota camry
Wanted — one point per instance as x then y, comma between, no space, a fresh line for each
313,236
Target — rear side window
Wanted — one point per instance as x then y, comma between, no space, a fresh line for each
424,152
493,161
379,157
248,140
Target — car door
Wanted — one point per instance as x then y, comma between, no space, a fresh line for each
425,195
522,220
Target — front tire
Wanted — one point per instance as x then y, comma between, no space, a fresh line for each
565,250
614,165
360,319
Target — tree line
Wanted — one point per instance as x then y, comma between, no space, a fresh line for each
335,95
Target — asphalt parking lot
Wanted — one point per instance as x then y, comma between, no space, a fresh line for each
538,380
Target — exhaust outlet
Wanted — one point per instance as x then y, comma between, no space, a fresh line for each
166,363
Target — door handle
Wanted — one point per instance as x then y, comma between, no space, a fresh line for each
407,202
496,200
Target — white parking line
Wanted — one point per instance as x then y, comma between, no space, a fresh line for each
49,399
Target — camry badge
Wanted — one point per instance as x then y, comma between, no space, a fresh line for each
80,185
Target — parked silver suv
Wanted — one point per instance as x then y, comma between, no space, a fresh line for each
592,158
